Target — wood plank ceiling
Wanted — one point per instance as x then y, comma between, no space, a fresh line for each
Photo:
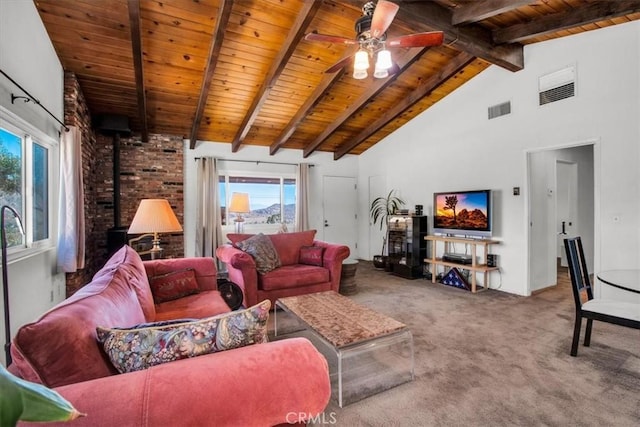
241,71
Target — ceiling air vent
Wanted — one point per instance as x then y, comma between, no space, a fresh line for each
556,86
499,110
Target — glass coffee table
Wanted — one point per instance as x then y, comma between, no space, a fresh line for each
367,352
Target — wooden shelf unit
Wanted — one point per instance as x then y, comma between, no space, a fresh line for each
474,267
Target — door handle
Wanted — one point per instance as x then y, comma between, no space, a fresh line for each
564,229
326,224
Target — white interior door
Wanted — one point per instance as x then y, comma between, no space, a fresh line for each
340,210
566,206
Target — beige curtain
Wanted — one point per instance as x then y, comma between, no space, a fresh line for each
302,197
208,211
71,233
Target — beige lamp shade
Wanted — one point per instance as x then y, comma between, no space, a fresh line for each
154,216
239,203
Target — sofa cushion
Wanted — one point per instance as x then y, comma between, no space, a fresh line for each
262,250
204,268
142,346
287,244
174,285
311,255
68,330
198,306
293,276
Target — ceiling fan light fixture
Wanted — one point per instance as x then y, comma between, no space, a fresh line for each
380,73
362,61
384,60
360,74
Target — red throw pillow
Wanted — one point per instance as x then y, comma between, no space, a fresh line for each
311,255
174,285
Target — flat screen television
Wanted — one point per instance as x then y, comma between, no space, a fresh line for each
462,213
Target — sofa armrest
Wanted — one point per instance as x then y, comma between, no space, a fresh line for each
258,385
241,268
204,267
332,259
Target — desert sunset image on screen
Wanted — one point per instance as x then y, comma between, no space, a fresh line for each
466,211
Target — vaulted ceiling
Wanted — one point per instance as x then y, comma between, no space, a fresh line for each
242,72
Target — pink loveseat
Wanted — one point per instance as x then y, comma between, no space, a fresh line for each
292,277
258,385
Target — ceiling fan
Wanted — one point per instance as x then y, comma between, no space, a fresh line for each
371,36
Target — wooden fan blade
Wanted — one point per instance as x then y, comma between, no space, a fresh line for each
382,17
339,65
327,38
432,38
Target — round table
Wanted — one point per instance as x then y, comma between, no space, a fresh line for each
629,280
348,277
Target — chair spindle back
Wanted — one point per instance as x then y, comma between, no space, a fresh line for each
580,280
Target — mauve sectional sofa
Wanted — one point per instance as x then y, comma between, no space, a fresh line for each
257,385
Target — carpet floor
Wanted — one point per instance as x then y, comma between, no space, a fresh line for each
495,359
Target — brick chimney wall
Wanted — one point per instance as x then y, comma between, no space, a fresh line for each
148,170
151,169
77,114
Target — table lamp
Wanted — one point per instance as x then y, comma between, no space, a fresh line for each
154,216
239,205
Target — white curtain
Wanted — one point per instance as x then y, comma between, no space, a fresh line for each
71,203
302,197
208,212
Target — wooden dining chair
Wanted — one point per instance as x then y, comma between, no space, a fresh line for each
610,311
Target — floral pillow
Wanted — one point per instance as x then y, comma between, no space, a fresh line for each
263,252
174,285
311,255
143,346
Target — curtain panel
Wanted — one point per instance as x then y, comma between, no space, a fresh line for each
71,226
208,210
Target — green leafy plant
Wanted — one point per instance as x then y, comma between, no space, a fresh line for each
380,210
27,401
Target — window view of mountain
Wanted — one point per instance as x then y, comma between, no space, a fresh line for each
270,215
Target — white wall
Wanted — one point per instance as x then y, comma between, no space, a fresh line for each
323,165
27,56
453,146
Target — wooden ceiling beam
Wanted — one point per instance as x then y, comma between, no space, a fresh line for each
591,12
473,39
136,47
296,34
328,81
454,66
373,90
477,11
224,12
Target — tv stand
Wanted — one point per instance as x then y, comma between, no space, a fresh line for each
474,267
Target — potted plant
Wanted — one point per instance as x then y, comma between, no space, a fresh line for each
379,211
27,401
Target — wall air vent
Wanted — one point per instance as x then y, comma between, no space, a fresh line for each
499,110
556,86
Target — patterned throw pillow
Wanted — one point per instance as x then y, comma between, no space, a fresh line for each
174,285
311,255
263,252
143,346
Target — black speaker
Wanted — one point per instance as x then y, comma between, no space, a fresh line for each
492,260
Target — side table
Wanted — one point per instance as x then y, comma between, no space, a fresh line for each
348,277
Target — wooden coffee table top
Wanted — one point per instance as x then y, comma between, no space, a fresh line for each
338,319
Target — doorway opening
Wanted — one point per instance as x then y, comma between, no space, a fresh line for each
561,204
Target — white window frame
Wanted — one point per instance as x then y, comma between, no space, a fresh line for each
257,228
29,133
